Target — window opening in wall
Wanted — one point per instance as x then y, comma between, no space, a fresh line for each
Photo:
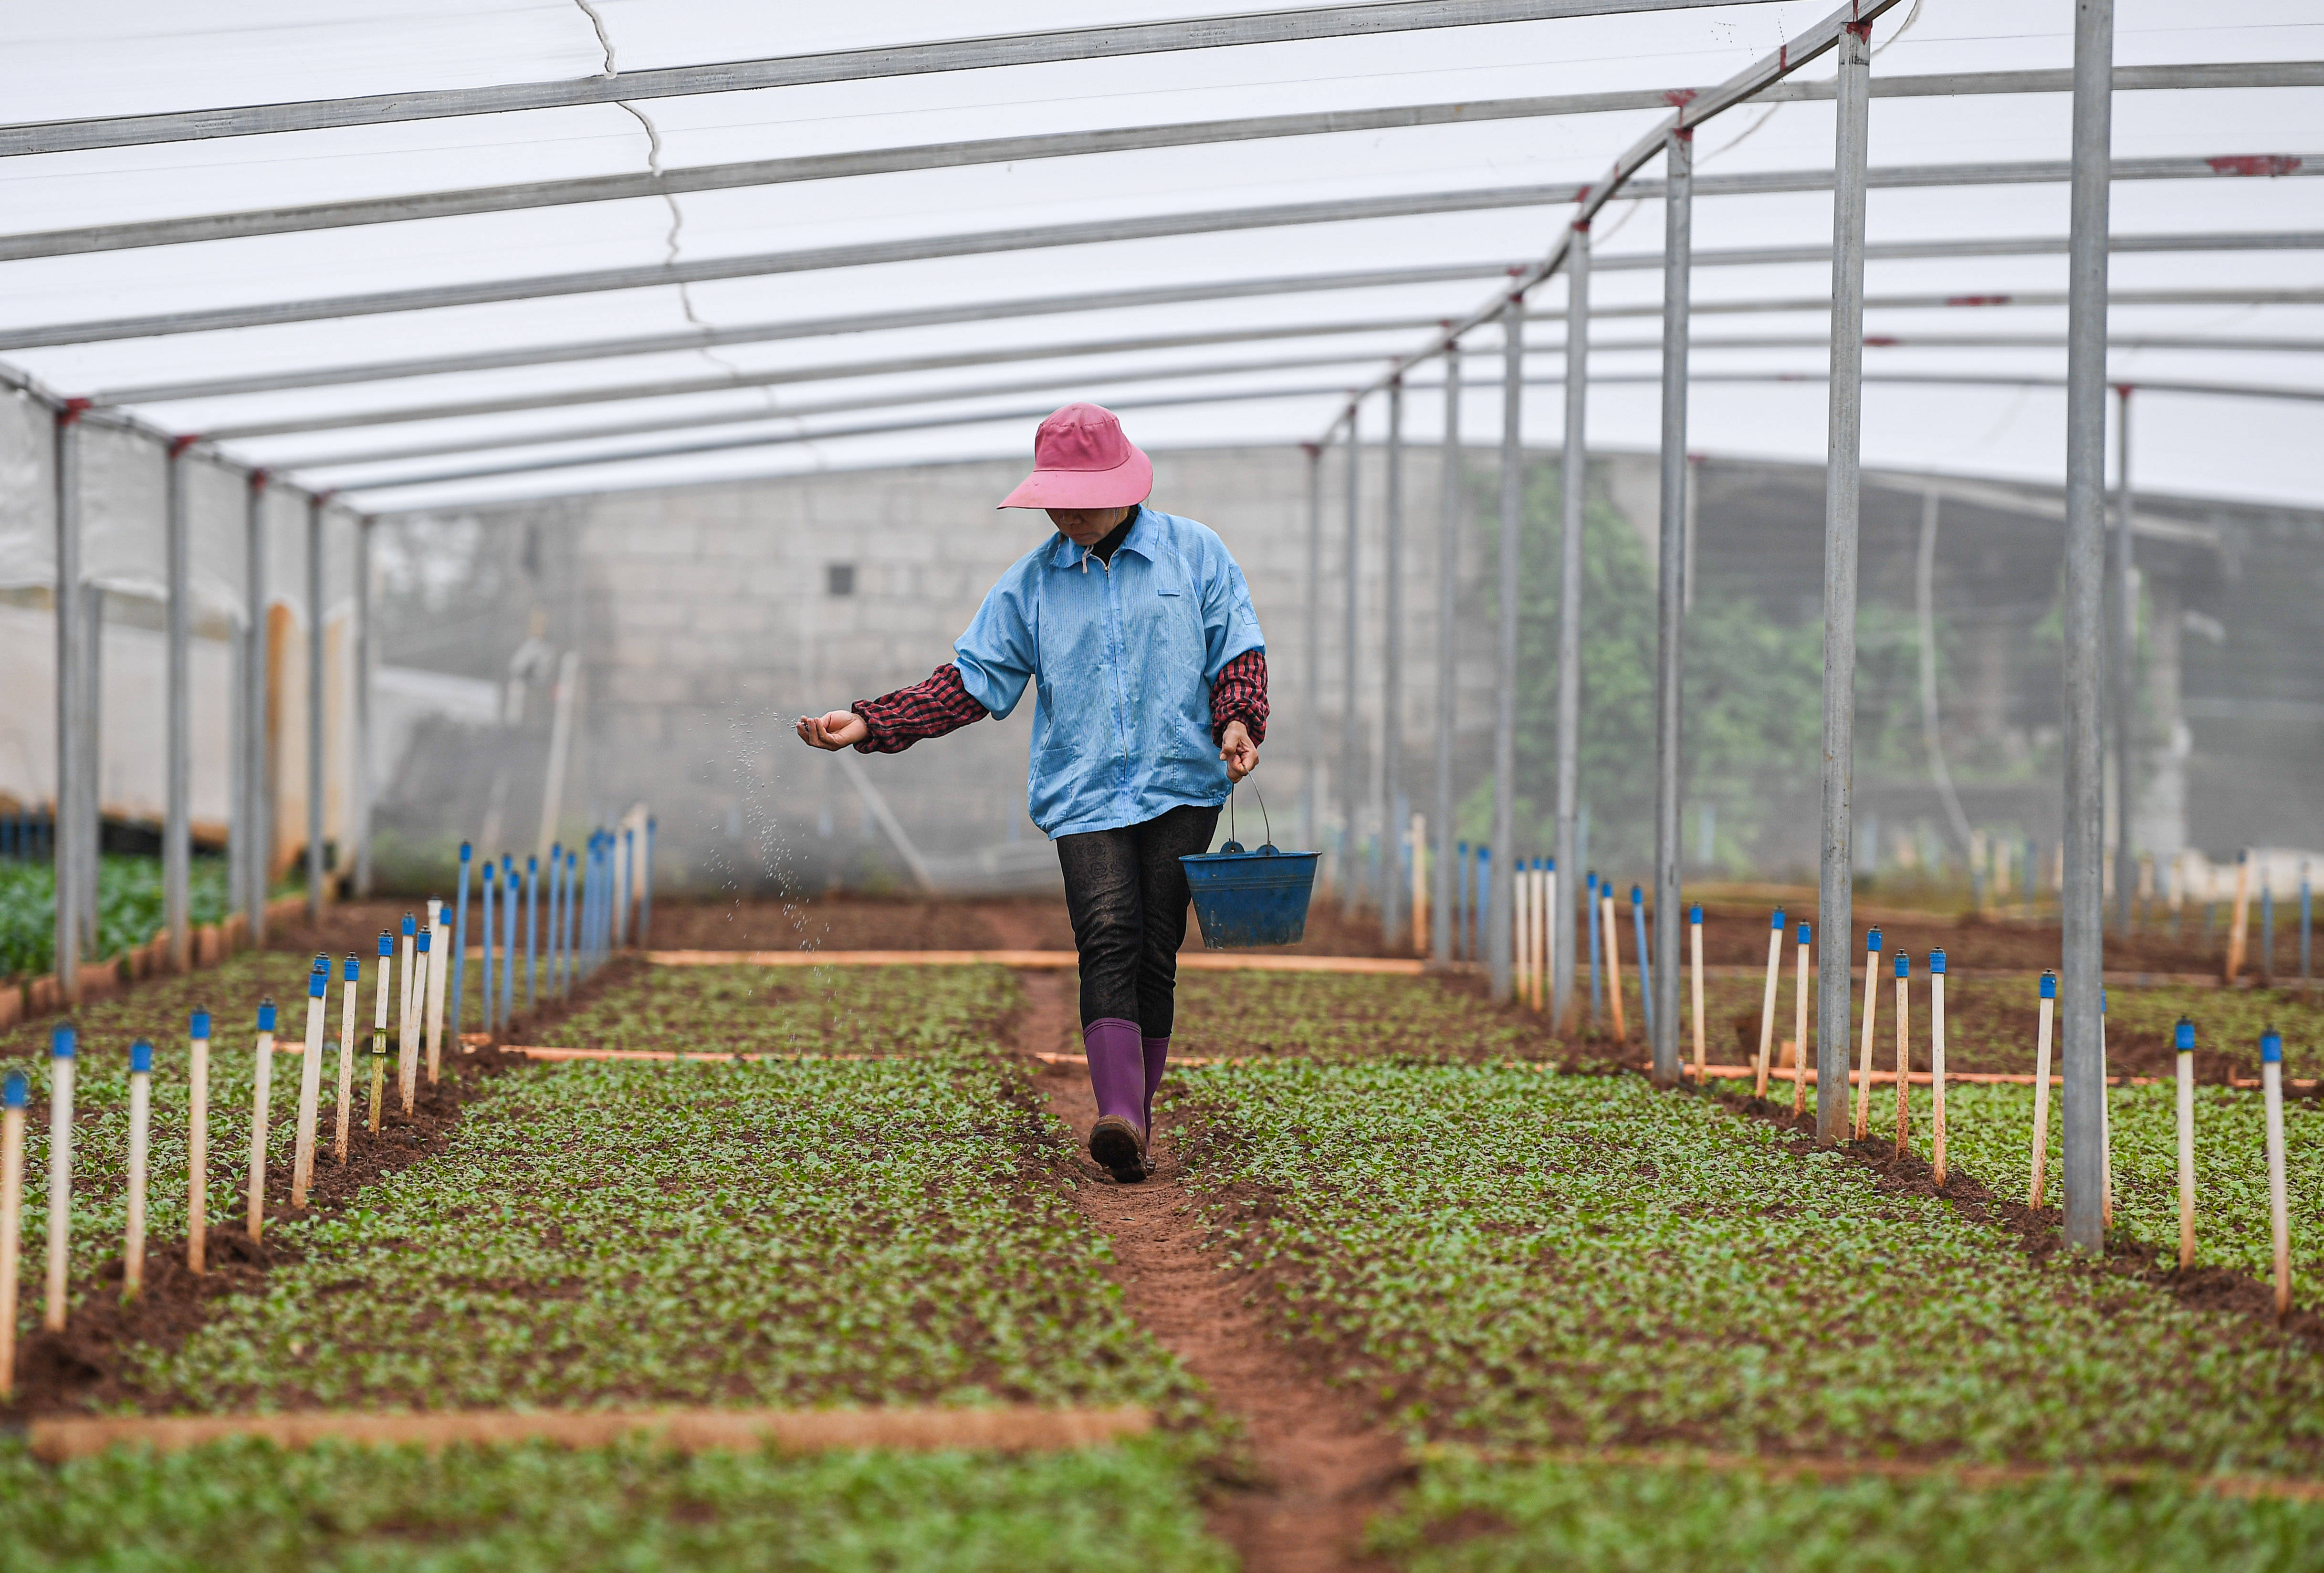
839,578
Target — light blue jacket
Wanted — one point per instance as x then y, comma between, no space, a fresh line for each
1122,660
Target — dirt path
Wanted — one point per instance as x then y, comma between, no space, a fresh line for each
1322,1468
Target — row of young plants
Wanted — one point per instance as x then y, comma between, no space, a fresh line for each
1990,1022
1989,1138
1513,1261
128,908
782,1233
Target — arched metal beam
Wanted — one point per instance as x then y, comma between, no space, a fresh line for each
305,218
966,54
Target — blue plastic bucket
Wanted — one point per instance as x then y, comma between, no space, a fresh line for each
1250,898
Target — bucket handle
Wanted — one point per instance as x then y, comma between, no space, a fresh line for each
1236,846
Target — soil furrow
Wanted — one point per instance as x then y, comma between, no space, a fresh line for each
1320,1467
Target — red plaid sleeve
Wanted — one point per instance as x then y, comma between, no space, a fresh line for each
925,710
1240,694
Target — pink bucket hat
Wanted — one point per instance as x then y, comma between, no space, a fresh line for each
1081,460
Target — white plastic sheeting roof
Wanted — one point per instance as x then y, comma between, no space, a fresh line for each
141,55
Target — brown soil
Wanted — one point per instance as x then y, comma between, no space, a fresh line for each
1317,1467
84,1367
2040,1230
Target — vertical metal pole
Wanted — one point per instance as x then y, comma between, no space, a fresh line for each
1392,674
1575,484
90,810
256,814
1500,909
315,708
64,845
360,804
1444,919
1670,583
1351,728
2083,956
1835,897
1312,730
176,788
237,732
2124,662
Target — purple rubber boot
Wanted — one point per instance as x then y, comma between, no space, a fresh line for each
1158,1060
1118,1078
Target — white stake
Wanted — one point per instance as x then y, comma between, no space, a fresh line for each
379,994
1800,1028
344,1108
2279,1219
1694,923
2106,1121
311,1081
404,976
140,1127
1549,932
61,1114
439,968
1420,929
2242,916
1871,1006
407,1021
1521,901
1904,1050
2042,1088
2185,1033
1613,963
1937,1061
1768,1001
261,1087
422,985
198,1140
16,1094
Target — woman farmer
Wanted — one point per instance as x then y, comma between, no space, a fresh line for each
1150,702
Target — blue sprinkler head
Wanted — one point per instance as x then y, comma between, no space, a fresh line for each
2183,1036
1694,915
532,865
1804,935
141,1058
410,925
467,852
2271,1047
60,1042
319,976
266,1015
1904,964
425,935
1638,897
201,1026
18,1093
386,944
1776,922
354,968
1937,963
1872,941
1548,863
2049,986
